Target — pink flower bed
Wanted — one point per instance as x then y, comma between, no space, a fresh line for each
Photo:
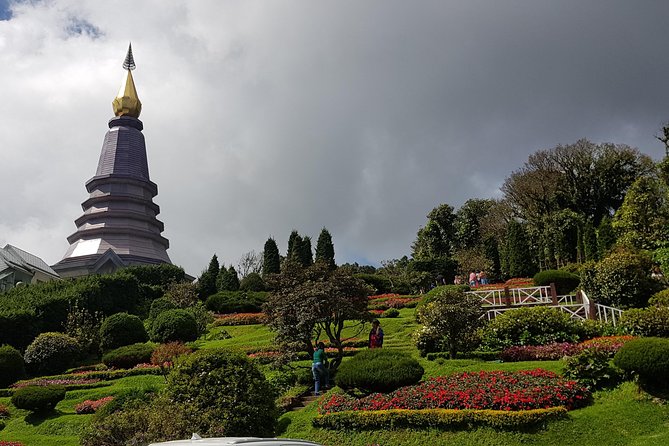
496,390
240,319
10,443
609,344
383,296
552,352
92,406
51,382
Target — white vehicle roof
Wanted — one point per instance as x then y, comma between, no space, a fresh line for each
247,441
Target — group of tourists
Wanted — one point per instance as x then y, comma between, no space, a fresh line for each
319,365
476,278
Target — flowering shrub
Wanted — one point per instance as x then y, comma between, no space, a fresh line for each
91,406
608,344
51,382
166,353
392,301
496,390
240,319
437,418
4,412
549,352
383,296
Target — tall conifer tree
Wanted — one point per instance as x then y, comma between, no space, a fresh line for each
325,248
271,259
207,280
305,254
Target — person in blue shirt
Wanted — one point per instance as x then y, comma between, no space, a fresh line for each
319,368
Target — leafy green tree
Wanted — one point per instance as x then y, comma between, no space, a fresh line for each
454,317
271,258
641,222
606,238
308,303
436,239
207,280
325,249
520,262
468,222
590,251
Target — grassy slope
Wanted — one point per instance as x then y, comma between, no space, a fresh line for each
618,417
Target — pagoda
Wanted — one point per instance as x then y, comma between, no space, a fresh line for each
119,225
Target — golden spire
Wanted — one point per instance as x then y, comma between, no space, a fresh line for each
126,102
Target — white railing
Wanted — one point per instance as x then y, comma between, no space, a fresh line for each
577,306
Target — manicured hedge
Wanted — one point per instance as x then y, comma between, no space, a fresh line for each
437,418
121,329
12,367
37,398
174,325
51,353
379,370
226,302
565,282
128,356
651,321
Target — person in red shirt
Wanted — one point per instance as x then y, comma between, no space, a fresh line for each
376,335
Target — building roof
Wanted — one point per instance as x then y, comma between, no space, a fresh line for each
11,256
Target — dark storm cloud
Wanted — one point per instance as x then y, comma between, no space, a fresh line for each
262,117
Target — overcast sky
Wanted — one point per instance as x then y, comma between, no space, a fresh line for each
361,116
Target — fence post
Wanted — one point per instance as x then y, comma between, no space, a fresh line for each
507,296
554,296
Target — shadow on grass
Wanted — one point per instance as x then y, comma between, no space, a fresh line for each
283,424
37,418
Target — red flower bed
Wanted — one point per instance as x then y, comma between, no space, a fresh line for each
240,319
10,443
496,390
92,406
609,344
395,301
51,382
4,411
383,296
548,352
518,282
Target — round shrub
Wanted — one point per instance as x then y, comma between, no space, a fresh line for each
379,370
226,302
12,367
38,398
651,321
531,326
391,312
648,358
174,325
128,356
252,282
660,299
565,282
227,391
51,353
121,329
159,305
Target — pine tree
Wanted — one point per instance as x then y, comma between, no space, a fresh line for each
294,242
492,254
227,279
207,280
305,254
271,259
325,249
518,250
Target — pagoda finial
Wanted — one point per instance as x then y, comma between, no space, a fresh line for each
129,62
126,102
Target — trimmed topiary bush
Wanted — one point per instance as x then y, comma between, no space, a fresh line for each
174,325
226,302
160,305
226,390
121,329
12,367
647,358
565,282
128,356
379,370
391,313
38,398
252,282
651,321
530,326
51,353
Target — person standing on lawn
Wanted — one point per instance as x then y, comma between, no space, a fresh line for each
376,335
319,368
